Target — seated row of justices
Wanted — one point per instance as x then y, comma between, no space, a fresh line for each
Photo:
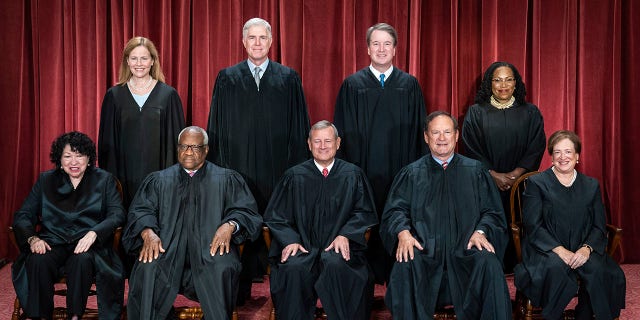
442,222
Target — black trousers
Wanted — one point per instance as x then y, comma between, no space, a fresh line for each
44,270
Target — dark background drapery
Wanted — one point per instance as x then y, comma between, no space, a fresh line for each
580,61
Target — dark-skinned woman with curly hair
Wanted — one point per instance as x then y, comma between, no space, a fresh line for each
505,133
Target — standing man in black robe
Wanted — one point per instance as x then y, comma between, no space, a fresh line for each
444,223
379,110
185,224
258,123
318,217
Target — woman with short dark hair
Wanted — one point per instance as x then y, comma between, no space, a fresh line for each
68,220
566,238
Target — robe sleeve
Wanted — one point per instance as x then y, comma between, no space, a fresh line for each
397,210
596,237
215,125
420,147
108,134
143,213
26,218
492,218
280,216
114,212
174,123
344,119
533,218
299,123
363,215
473,137
241,207
537,141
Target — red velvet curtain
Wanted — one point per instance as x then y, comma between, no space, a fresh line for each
579,60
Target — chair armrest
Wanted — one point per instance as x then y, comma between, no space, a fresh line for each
516,229
614,237
266,233
12,238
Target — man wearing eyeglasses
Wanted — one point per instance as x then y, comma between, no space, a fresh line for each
184,224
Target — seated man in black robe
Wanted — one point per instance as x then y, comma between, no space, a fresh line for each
448,208
318,216
184,224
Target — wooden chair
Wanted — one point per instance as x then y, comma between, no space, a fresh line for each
195,312
320,314
524,308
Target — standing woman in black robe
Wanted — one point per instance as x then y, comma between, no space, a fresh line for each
566,237
140,118
69,219
505,133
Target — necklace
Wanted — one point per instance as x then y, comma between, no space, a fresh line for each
142,88
502,105
560,178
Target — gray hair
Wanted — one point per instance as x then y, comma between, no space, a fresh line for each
195,129
323,124
256,22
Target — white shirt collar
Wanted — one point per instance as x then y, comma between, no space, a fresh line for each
263,66
320,167
440,161
377,73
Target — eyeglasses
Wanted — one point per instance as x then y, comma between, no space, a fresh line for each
196,148
501,80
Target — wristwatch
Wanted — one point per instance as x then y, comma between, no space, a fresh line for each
233,224
588,247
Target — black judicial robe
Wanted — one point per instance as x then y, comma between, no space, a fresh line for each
65,216
504,139
261,133
311,210
556,215
132,142
381,130
185,212
442,209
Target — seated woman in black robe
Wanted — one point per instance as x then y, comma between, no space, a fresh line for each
566,238
68,220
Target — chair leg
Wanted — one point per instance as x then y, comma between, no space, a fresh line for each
16,310
234,316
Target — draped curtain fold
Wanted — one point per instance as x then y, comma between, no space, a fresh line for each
579,60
